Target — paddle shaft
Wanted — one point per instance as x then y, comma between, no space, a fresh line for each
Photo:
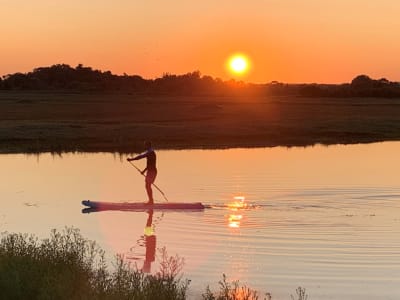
162,193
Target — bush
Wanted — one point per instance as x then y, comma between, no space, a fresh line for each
68,266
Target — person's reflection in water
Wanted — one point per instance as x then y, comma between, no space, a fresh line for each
150,243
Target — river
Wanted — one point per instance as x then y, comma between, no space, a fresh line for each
324,218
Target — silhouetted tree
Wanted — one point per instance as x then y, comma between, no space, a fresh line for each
81,78
362,81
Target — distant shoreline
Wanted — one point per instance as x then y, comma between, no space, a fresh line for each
63,77
29,149
34,122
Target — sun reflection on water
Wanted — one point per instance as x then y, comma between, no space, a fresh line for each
234,219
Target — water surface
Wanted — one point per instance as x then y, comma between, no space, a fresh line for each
325,218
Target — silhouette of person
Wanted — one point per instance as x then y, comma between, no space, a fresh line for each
150,243
150,170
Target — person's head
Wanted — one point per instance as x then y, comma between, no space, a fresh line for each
147,144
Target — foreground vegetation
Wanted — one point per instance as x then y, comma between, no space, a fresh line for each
68,266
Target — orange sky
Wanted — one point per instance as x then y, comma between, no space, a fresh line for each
286,40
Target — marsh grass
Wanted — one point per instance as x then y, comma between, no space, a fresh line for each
68,266
300,293
232,291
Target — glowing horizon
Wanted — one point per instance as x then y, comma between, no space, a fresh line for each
287,41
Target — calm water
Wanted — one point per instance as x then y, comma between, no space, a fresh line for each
325,218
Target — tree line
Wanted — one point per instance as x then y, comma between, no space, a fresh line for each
62,77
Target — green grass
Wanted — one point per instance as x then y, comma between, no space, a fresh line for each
68,266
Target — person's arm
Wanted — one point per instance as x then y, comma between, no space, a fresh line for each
138,157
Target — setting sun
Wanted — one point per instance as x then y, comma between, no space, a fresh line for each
238,64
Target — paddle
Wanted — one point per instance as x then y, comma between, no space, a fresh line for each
162,193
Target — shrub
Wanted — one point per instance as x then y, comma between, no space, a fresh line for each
68,266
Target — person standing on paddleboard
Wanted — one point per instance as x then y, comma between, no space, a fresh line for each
150,170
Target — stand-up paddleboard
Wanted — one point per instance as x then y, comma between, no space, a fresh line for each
99,206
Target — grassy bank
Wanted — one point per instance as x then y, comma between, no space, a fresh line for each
43,121
68,266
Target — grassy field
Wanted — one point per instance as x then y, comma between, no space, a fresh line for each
58,122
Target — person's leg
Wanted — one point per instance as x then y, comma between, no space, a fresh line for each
150,177
149,192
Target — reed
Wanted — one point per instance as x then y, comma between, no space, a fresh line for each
232,291
68,266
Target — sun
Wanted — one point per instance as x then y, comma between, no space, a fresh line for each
238,64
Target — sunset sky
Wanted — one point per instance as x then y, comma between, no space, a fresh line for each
285,40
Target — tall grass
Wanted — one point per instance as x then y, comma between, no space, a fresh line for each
301,294
232,291
68,266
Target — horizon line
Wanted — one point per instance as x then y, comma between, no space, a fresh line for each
237,79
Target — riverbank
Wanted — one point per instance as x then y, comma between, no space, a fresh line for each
33,122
